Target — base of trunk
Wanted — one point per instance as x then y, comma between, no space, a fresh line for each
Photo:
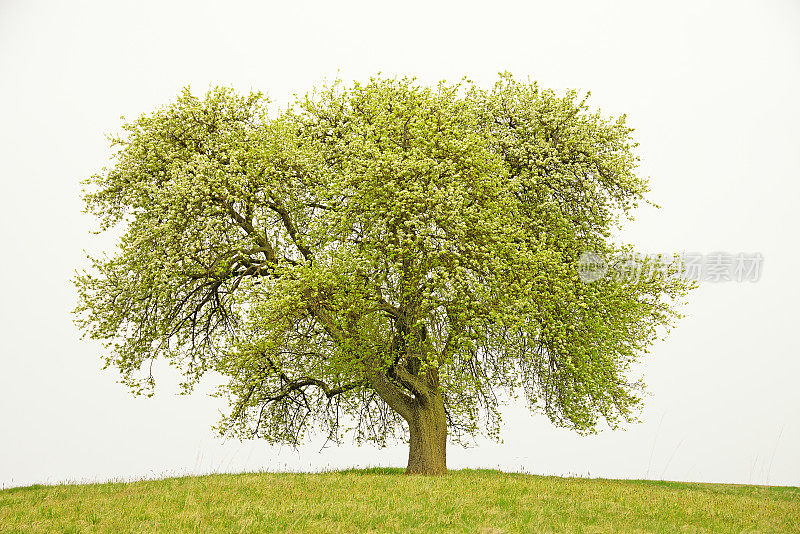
427,453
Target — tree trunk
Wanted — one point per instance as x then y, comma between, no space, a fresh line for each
427,453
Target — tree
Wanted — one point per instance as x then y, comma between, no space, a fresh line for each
380,258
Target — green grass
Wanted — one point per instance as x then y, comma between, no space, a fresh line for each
385,500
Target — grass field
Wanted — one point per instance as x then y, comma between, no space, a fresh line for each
385,500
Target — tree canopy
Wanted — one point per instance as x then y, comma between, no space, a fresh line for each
385,257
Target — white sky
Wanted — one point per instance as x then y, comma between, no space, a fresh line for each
711,88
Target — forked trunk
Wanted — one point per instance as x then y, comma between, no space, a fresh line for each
427,453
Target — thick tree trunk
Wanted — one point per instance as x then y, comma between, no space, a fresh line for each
427,453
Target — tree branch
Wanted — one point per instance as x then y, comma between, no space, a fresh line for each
277,206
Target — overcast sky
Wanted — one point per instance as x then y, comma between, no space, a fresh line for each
711,88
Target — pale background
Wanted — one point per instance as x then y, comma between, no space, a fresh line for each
711,88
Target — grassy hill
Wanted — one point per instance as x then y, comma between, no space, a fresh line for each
385,500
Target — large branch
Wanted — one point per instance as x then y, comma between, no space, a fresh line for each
411,382
295,384
247,225
391,394
277,206
299,383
